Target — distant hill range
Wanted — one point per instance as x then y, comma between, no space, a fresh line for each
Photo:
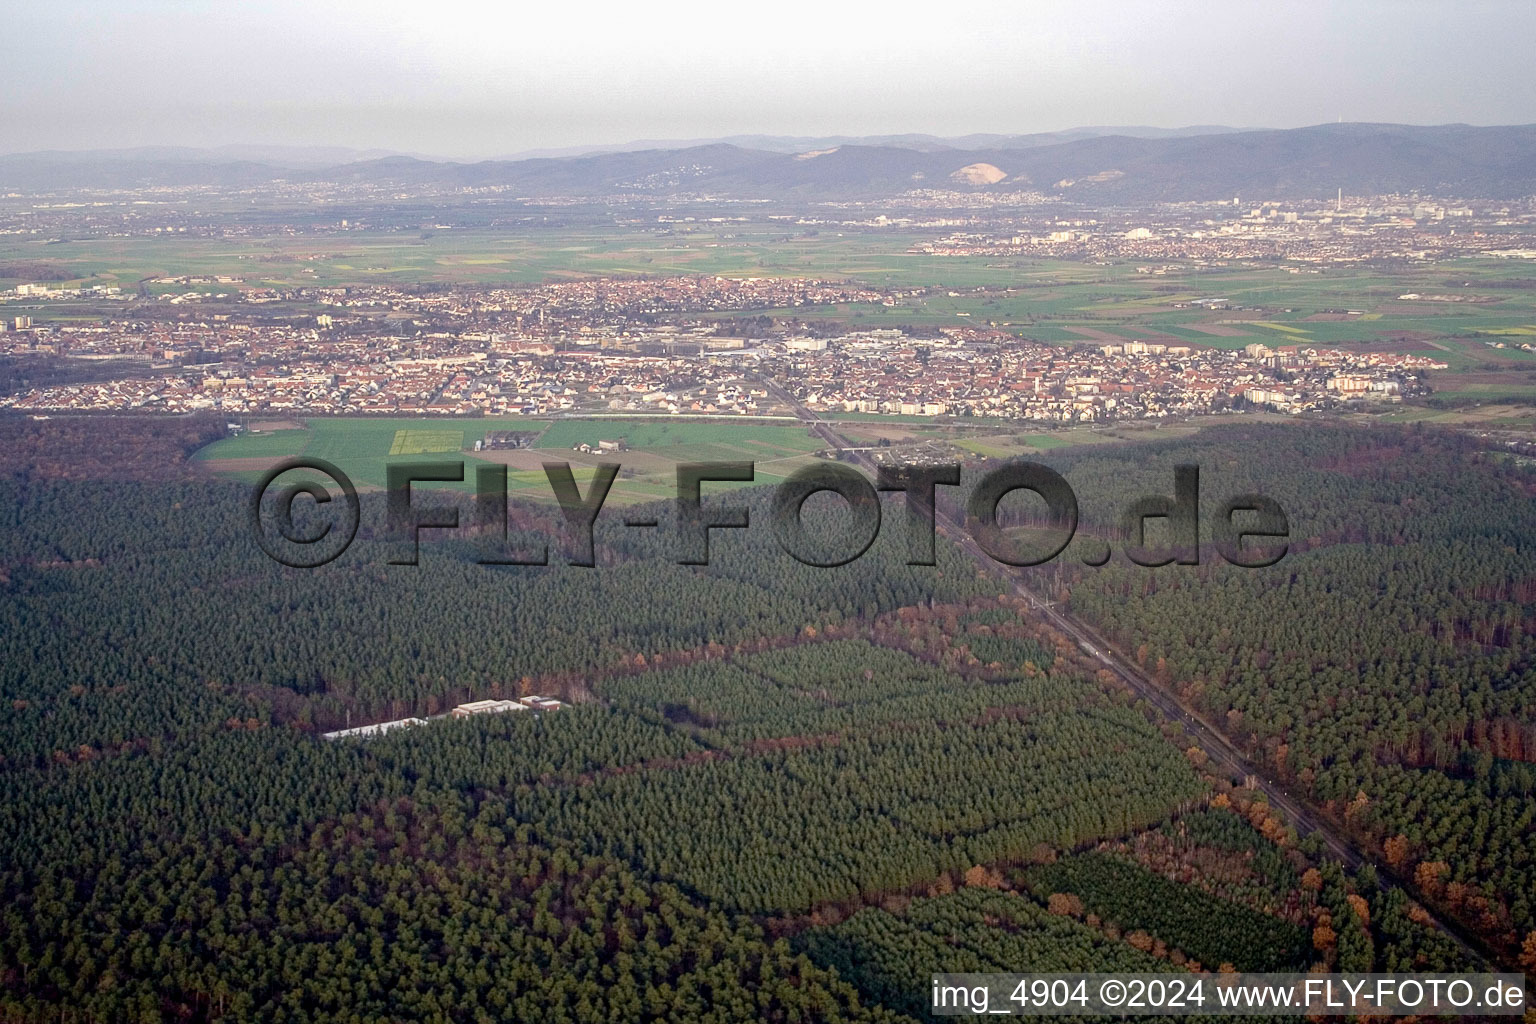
1115,165
925,143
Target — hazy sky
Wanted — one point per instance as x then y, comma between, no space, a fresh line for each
466,79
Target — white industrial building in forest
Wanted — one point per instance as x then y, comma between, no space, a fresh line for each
496,707
373,730
466,710
487,707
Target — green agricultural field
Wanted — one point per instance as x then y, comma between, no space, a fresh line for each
480,256
654,447
1486,413
364,448
422,442
735,440
1003,446
1040,298
361,447
275,444
1036,288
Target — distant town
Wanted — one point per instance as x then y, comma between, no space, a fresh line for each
674,345
976,300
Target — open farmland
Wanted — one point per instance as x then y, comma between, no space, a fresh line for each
364,448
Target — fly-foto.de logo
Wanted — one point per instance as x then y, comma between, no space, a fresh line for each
332,511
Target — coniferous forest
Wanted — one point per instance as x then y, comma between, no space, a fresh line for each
1384,667
778,792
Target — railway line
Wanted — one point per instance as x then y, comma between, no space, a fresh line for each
1221,754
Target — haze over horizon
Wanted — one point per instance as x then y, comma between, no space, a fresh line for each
467,80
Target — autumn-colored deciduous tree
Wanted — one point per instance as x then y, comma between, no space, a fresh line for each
1275,831
979,877
1065,904
1430,875
1528,954
1258,813
1396,850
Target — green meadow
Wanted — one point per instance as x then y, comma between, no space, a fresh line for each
362,448
686,440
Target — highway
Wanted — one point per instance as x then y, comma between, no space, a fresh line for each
1223,757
